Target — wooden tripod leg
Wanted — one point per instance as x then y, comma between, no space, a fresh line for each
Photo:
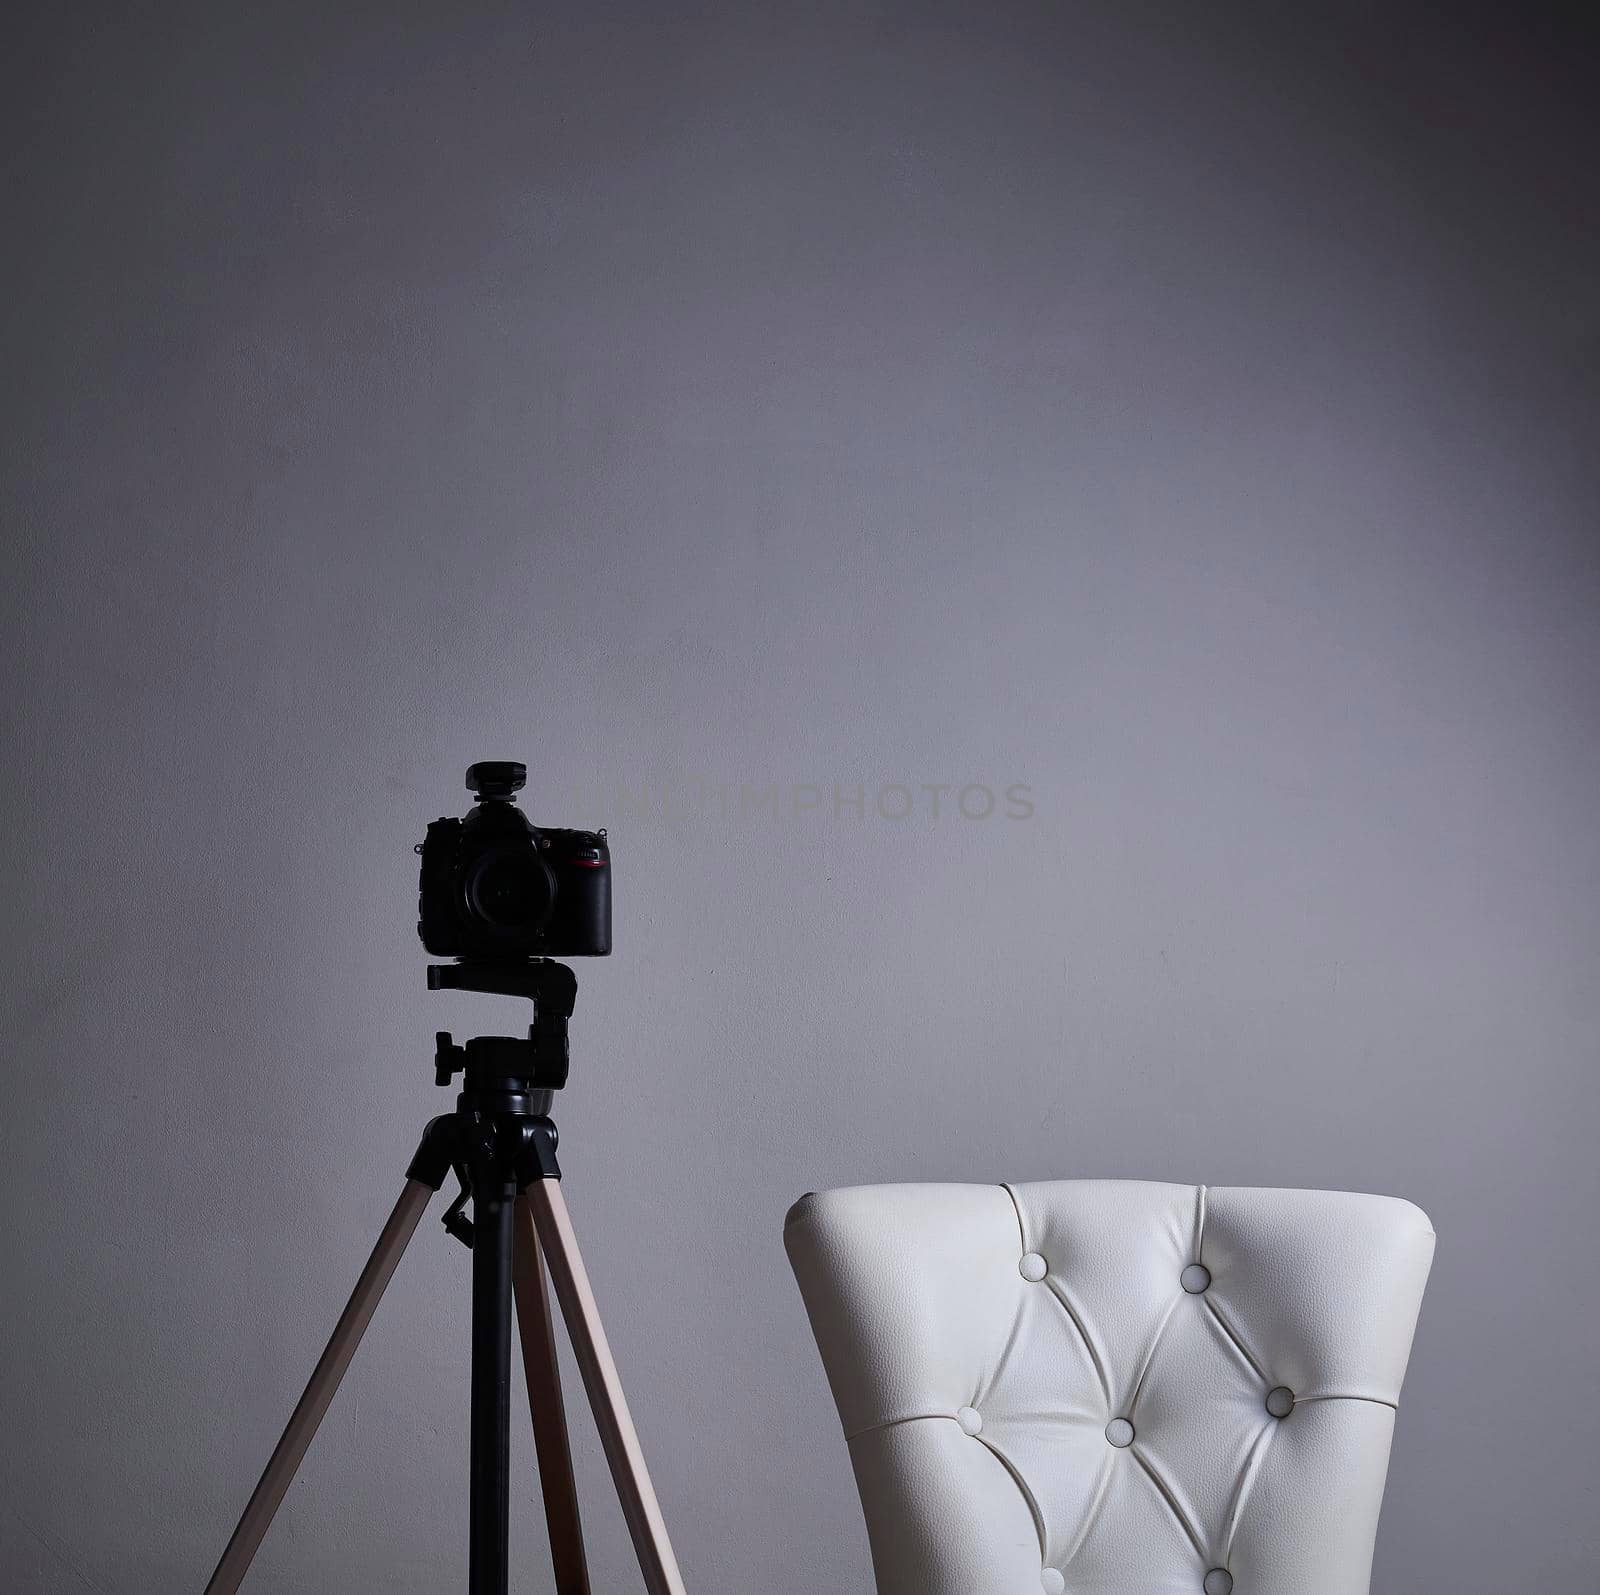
617,1435
319,1392
556,1481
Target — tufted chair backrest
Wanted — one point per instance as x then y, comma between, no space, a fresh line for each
1109,1387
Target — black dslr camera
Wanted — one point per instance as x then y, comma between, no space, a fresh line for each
495,886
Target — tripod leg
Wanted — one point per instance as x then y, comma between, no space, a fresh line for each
617,1435
549,1415
325,1377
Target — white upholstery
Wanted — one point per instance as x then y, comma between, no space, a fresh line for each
1065,1386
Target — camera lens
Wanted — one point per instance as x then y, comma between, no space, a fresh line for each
510,890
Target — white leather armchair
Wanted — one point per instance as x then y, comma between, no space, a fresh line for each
1109,1387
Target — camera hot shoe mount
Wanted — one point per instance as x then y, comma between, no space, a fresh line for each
501,1144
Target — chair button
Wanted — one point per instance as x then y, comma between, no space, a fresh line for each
1120,1433
1052,1582
1033,1267
1280,1402
1219,1581
970,1421
1196,1279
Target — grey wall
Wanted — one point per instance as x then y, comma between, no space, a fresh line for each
1179,411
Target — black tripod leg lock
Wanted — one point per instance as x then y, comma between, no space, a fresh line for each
436,1152
538,1156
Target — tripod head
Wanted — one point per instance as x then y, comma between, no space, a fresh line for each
501,1127
494,1062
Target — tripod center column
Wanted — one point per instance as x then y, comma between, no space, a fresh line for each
494,1193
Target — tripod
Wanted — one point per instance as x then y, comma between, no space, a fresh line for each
502,1146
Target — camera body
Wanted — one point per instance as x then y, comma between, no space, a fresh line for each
495,886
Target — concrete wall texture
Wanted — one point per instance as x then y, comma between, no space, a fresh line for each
756,417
